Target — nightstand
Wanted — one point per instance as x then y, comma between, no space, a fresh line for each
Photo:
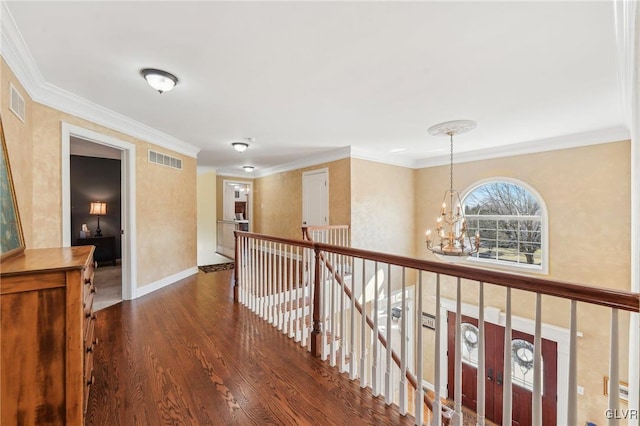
105,248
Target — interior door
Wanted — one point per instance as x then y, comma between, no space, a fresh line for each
522,377
315,198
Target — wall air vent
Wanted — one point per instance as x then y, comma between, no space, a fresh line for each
16,102
165,160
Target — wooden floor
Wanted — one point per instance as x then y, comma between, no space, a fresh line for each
188,355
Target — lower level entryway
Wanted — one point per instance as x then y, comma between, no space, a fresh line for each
522,350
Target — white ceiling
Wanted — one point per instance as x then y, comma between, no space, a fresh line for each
308,77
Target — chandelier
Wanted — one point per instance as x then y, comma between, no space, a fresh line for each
451,225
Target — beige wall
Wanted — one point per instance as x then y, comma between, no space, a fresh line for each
382,207
165,198
587,194
278,199
206,217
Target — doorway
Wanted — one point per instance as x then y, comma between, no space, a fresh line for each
95,179
237,214
522,371
315,198
127,191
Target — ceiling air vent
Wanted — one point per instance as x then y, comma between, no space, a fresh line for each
16,102
165,160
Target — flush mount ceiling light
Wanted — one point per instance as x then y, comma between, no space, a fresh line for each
248,169
160,80
240,146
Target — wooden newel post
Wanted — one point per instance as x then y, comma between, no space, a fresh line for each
236,267
316,333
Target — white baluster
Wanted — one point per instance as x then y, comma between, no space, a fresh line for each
506,390
537,365
572,403
458,356
363,331
614,374
281,292
482,373
387,383
271,272
342,342
352,352
332,309
403,349
375,383
291,289
437,380
297,285
418,403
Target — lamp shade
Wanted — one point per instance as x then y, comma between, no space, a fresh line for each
98,208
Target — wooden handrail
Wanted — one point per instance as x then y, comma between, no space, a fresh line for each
611,298
300,243
607,297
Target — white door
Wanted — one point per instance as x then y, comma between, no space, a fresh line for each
315,198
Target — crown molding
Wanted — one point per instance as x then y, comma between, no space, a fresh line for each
308,161
383,157
15,52
575,140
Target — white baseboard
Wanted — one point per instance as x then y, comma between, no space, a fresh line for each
157,285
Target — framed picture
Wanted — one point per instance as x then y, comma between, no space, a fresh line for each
624,389
11,237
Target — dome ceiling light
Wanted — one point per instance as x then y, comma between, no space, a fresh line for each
161,81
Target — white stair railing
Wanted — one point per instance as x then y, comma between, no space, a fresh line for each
362,311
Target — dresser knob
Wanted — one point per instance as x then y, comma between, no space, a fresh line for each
94,316
91,381
87,280
90,349
95,342
94,290
87,315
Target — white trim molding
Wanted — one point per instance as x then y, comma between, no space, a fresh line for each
575,140
164,282
15,52
128,197
627,25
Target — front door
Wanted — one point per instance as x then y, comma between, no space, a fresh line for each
522,371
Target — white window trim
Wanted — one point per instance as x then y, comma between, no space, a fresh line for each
544,229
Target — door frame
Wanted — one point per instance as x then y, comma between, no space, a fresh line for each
495,316
324,170
128,194
249,197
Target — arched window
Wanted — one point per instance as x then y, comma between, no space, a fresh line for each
511,221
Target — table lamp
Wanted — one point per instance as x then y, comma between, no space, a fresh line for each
100,209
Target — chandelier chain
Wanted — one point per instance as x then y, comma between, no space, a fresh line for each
451,164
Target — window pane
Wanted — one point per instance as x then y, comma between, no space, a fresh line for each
511,230
469,337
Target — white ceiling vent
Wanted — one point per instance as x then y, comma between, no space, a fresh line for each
165,160
16,102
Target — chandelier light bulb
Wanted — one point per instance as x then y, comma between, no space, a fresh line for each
248,169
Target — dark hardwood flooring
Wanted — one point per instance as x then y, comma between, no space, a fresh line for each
187,355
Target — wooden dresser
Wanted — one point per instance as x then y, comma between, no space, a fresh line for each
47,341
